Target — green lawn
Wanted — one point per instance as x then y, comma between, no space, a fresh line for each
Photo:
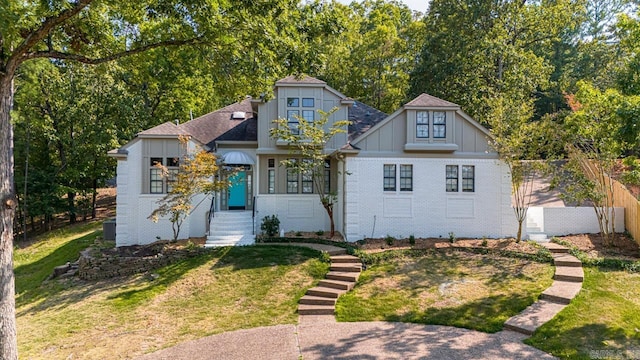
603,321
448,288
224,289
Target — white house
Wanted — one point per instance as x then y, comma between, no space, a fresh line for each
425,170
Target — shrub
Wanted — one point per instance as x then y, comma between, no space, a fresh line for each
412,240
452,237
320,232
484,243
389,240
270,225
298,233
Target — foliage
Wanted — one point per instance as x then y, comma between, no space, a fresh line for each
309,141
194,177
270,225
412,240
452,237
389,240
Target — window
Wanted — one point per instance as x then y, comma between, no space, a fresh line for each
422,124
293,102
389,182
439,125
468,178
292,181
406,177
452,178
307,181
308,115
160,182
292,120
271,175
308,102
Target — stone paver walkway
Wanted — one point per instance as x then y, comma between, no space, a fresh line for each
566,285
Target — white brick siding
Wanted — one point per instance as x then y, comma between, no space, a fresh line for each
428,210
296,212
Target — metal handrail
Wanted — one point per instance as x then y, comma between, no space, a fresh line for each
253,215
212,208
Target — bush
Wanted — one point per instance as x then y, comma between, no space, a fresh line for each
320,232
389,240
452,237
270,225
412,240
484,243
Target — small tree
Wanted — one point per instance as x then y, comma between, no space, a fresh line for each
596,142
196,175
309,142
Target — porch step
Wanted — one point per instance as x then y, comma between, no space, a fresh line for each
561,292
317,300
537,236
231,228
569,273
533,317
304,309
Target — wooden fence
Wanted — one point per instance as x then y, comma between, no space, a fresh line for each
622,198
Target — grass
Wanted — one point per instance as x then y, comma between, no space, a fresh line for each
446,288
603,321
224,289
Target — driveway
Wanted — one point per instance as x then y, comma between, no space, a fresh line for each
321,337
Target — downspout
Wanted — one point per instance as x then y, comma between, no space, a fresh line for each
341,157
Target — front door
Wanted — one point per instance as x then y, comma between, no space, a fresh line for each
238,191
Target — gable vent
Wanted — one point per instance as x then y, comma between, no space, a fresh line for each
238,115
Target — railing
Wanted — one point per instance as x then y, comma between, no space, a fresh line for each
212,208
253,215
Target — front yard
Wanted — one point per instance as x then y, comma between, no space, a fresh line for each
235,288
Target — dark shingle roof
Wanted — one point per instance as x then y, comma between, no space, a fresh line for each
427,100
208,127
245,131
362,118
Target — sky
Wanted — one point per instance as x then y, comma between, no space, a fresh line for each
418,5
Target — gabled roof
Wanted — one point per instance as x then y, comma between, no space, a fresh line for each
362,117
166,129
209,127
426,100
305,79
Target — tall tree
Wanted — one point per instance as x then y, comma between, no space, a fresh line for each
96,32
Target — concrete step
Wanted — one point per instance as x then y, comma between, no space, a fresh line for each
231,232
556,248
566,260
569,273
561,292
346,267
322,291
304,309
345,259
317,300
539,237
336,284
533,317
533,229
231,226
343,276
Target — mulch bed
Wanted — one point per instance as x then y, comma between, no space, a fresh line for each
623,246
379,244
153,248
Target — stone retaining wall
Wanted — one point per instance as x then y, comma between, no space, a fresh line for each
106,266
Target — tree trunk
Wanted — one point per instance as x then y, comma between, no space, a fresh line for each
71,199
329,209
94,198
519,235
8,336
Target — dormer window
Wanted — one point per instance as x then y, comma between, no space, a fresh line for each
295,111
439,125
422,124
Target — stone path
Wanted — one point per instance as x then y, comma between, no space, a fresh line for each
567,283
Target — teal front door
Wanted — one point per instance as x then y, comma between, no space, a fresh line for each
238,191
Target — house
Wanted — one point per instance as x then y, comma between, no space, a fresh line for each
425,170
